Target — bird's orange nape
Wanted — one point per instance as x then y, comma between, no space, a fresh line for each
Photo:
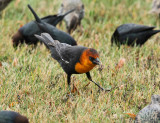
85,65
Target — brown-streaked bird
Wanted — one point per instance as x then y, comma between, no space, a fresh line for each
150,113
26,33
3,4
156,9
73,59
73,19
12,117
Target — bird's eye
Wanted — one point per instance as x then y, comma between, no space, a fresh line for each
91,58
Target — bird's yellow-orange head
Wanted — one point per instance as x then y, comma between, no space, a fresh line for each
87,61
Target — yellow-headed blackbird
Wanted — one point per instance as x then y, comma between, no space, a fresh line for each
73,59
12,117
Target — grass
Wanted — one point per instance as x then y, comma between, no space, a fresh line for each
33,84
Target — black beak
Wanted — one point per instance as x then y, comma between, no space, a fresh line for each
96,61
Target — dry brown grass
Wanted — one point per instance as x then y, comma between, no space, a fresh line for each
34,84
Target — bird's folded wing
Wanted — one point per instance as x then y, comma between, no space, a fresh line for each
133,28
59,50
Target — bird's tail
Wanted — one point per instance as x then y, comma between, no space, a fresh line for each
47,39
63,15
34,13
54,45
156,31
152,32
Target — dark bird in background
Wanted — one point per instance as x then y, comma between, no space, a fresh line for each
156,8
56,34
73,19
132,34
150,113
3,4
26,33
73,59
12,117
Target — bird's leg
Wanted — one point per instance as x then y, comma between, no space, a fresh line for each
81,27
69,81
68,95
159,19
89,77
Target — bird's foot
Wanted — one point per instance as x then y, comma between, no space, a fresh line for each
104,90
66,97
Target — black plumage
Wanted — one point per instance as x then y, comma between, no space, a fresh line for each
3,4
12,117
132,34
56,34
73,59
26,32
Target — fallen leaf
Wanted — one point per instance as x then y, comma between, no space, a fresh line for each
114,72
21,25
74,90
0,64
69,103
15,62
133,116
120,63
13,104
51,104
16,3
26,92
121,87
97,39
115,92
